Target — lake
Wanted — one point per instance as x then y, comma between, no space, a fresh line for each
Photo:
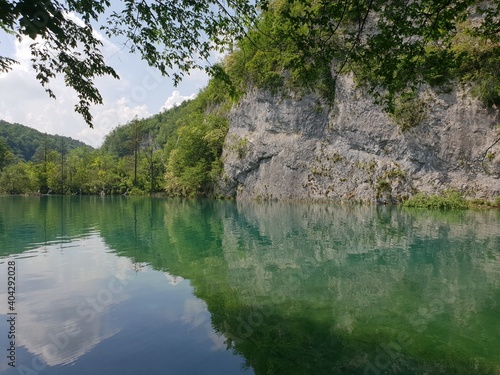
129,285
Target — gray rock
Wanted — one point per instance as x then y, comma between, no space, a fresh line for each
352,150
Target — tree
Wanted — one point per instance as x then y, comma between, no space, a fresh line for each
78,165
136,141
17,178
168,34
6,155
153,163
63,174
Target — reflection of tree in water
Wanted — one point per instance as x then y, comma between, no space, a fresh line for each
27,222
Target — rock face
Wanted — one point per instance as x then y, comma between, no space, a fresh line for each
304,149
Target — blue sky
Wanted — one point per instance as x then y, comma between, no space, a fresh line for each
141,91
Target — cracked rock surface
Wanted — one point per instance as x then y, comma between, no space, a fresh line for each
352,150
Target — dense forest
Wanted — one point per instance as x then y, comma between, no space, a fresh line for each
25,143
290,49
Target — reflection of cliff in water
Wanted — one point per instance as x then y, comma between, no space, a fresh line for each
372,273
362,255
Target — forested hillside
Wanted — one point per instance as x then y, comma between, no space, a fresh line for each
176,151
27,143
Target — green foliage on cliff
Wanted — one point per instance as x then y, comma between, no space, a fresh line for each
286,49
478,63
392,50
408,111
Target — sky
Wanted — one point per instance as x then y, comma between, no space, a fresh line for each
141,92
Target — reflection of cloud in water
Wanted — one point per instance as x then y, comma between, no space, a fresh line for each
196,314
173,280
219,342
60,339
64,298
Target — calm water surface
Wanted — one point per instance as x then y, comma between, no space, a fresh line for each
155,286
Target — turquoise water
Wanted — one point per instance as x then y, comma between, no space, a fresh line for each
130,285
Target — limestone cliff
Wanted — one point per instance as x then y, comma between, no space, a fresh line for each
280,148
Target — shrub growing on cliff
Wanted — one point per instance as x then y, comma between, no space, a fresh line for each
302,46
409,111
478,62
449,200
496,202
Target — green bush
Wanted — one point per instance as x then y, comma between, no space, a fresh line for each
487,90
496,202
17,179
409,111
449,200
478,63
193,164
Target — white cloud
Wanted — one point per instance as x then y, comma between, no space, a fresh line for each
174,100
140,89
23,100
110,116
